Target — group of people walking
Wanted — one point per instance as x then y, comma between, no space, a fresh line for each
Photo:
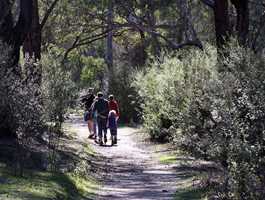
101,114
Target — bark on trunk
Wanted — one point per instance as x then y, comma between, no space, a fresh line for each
32,43
13,31
222,25
242,25
14,26
188,30
109,50
142,52
32,46
221,22
110,37
156,47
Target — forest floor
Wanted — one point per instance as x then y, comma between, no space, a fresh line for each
138,169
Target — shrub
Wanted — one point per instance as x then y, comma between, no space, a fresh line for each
217,116
167,88
232,131
21,105
58,89
21,96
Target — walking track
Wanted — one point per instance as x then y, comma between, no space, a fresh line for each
131,169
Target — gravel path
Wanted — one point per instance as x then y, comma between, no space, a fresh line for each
131,169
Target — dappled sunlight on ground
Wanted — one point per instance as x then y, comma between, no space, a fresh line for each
131,169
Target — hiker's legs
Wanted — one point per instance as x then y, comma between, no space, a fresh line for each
100,130
105,130
95,128
102,126
90,126
113,136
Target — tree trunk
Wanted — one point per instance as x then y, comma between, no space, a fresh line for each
222,29
32,46
188,32
14,26
242,26
222,22
32,43
142,51
110,37
156,47
109,50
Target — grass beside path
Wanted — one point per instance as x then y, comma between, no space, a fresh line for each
76,184
190,194
45,185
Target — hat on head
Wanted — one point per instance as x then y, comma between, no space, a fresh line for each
100,94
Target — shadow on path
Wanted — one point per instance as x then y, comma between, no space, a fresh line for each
131,169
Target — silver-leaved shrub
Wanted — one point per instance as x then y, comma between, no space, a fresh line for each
214,110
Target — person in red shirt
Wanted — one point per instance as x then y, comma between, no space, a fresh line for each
113,105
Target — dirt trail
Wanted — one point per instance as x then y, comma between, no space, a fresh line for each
132,170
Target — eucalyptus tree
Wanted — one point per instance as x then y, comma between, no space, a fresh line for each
15,23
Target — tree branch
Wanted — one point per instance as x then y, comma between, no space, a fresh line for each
78,43
47,14
71,48
151,30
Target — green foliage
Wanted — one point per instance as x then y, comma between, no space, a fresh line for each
190,194
225,123
93,69
57,88
45,185
20,97
168,159
166,89
217,116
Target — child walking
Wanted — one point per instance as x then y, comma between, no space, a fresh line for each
112,125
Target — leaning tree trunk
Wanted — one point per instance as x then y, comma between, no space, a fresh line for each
15,22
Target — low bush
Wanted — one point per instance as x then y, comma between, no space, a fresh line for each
213,114
166,89
58,90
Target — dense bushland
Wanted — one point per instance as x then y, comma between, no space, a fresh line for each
167,89
32,108
212,110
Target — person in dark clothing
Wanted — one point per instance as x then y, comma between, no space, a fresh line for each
94,117
112,125
87,101
101,107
